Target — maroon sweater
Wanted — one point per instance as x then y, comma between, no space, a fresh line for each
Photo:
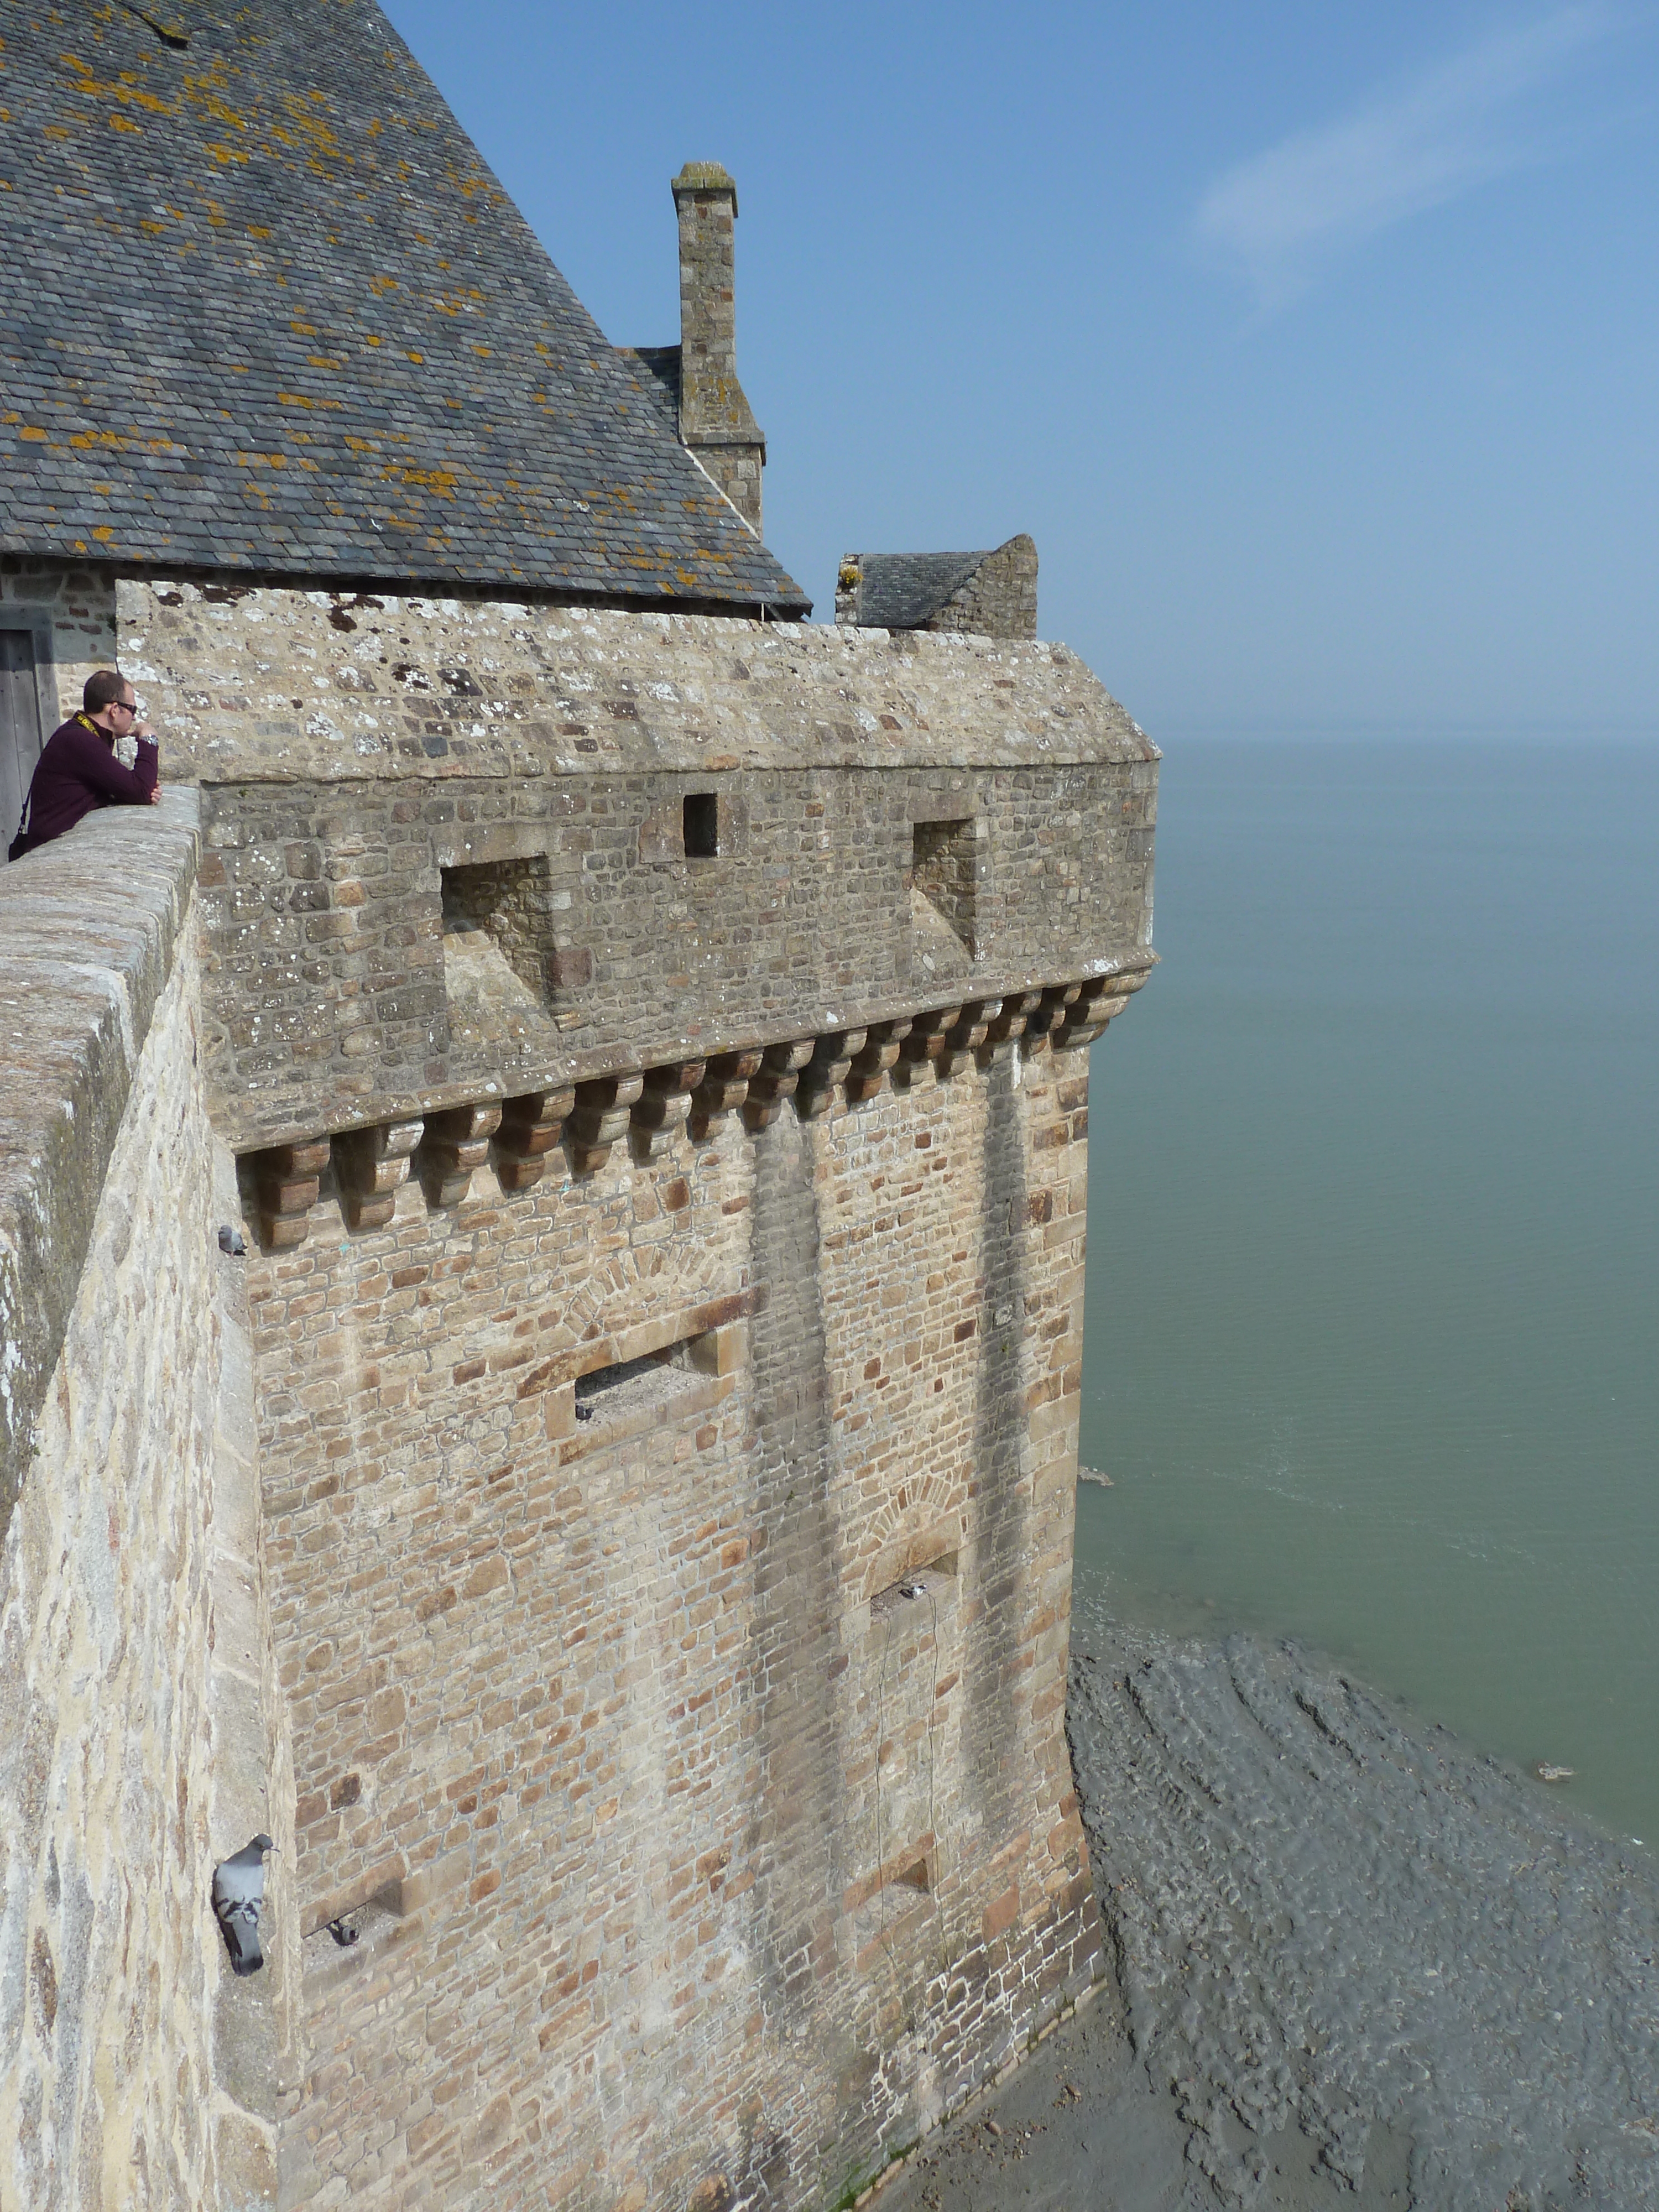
77,771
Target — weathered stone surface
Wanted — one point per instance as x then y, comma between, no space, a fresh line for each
89,930
716,1854
138,1729
457,868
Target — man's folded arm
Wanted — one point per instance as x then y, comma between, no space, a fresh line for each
97,765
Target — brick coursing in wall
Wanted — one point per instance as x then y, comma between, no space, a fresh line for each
623,1716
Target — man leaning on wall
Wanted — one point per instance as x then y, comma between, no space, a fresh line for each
102,756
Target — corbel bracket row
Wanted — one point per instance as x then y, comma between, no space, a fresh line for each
445,1148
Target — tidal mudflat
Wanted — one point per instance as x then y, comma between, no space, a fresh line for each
1358,1964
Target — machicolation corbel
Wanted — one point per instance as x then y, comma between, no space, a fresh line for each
777,1078
832,1055
723,1088
870,1068
530,1128
455,1144
603,1111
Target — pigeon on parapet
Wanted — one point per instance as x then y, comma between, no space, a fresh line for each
239,1888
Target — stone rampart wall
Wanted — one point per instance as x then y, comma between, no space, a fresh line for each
693,1863
138,1730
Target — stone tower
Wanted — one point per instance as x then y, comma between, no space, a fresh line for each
541,1211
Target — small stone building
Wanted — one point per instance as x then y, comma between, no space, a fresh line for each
541,1207
993,594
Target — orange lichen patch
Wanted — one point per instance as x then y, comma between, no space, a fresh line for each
262,460
220,110
226,155
34,434
362,444
442,481
382,283
103,533
121,123
257,230
324,360
304,329
483,352
55,131
156,228
417,357
303,399
84,438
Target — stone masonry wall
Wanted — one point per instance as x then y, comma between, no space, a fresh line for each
139,1738
75,609
1000,599
652,1044
693,1862
353,752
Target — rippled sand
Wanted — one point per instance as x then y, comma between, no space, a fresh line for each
1356,1965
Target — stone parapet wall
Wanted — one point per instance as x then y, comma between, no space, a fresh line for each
454,852
140,1739
693,1862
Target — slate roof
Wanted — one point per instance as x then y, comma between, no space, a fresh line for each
264,306
663,381
900,591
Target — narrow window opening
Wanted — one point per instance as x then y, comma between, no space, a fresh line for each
21,734
658,1387
944,871
507,904
702,826
598,1392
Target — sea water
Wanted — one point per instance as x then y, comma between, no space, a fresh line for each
1371,1352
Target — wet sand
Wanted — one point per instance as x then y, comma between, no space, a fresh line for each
1357,1965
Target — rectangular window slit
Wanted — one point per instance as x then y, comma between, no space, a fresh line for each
680,1378
702,826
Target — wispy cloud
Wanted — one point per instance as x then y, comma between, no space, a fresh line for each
1277,217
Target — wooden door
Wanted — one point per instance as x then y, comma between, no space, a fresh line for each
21,734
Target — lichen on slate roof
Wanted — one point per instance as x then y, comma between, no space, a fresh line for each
900,591
265,307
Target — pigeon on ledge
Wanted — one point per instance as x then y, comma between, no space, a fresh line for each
239,1888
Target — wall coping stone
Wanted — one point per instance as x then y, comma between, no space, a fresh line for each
528,691
90,928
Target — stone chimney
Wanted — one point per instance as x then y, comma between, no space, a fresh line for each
716,421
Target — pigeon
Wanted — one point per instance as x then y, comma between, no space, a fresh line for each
233,1241
239,1888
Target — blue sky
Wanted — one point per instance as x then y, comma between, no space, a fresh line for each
1316,345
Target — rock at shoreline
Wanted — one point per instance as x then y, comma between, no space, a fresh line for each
1325,1916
